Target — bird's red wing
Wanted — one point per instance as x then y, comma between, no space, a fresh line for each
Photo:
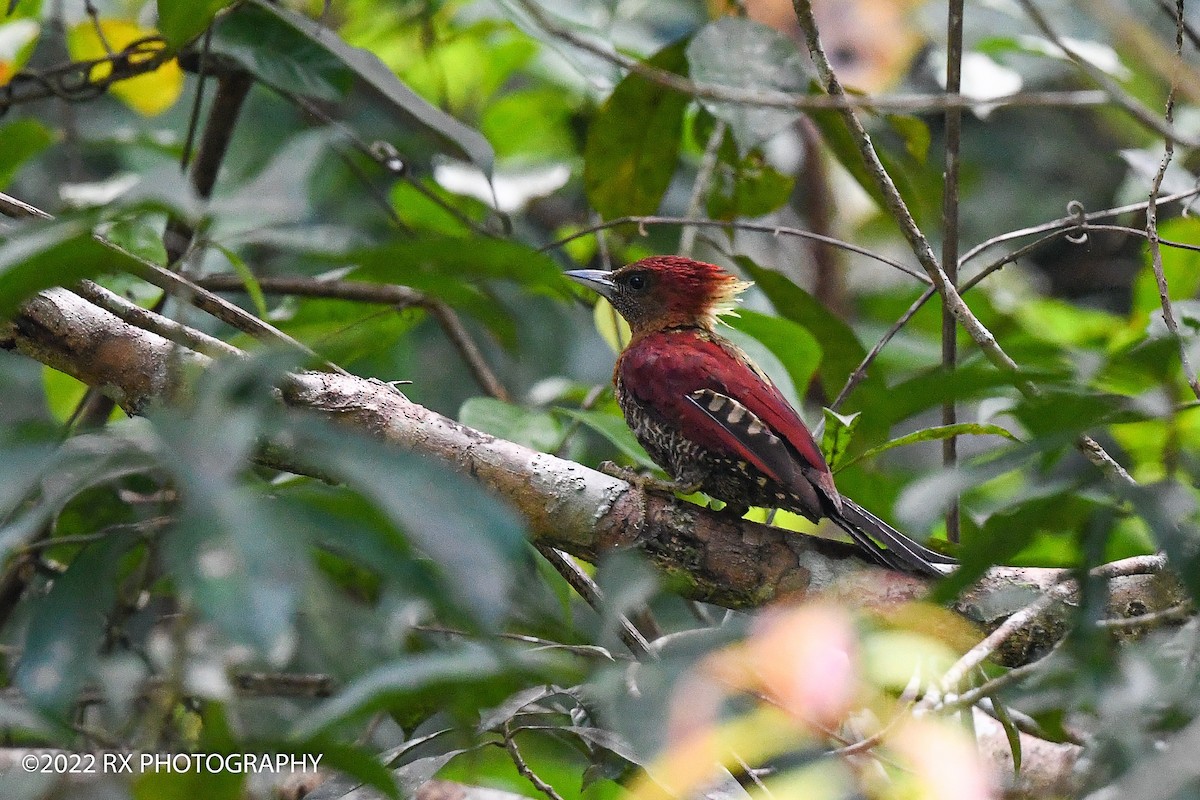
670,372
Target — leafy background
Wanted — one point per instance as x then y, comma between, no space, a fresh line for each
152,563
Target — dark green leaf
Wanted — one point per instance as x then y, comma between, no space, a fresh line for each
614,429
181,20
23,139
535,429
232,549
633,143
271,45
1006,533
67,626
791,343
410,110
37,255
476,541
80,463
429,263
748,188
1061,413
842,350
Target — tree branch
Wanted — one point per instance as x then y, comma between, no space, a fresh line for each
705,555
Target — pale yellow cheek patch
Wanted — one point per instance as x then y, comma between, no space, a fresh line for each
725,299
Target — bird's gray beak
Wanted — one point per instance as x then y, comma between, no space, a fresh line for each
597,280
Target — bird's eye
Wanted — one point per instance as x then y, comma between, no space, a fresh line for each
637,282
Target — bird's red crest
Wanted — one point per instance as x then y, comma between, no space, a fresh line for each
693,291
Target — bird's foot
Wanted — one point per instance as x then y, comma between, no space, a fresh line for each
647,483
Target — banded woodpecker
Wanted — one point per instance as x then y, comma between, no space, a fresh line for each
712,419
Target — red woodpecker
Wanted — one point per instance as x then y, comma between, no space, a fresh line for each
712,419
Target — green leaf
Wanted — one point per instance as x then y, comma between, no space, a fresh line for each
842,350
301,52
452,669
454,270
837,136
791,343
67,626
249,281
476,540
535,429
1180,267
37,255
1007,533
182,20
748,188
744,54
426,263
23,139
1011,732
233,548
915,133
633,142
172,785
933,434
615,430
79,463
839,431
1170,511
279,54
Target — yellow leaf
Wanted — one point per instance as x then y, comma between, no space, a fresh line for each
149,94
612,327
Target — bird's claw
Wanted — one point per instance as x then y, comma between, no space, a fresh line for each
647,483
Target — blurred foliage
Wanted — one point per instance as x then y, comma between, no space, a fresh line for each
152,564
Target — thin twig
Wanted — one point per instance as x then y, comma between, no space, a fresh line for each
759,227
1177,612
589,650
895,204
187,290
387,294
950,199
586,588
148,320
860,372
1070,222
528,774
472,356
1160,277
1124,99
704,175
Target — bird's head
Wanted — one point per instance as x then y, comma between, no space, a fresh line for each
663,292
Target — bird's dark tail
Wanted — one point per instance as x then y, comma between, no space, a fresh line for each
899,552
